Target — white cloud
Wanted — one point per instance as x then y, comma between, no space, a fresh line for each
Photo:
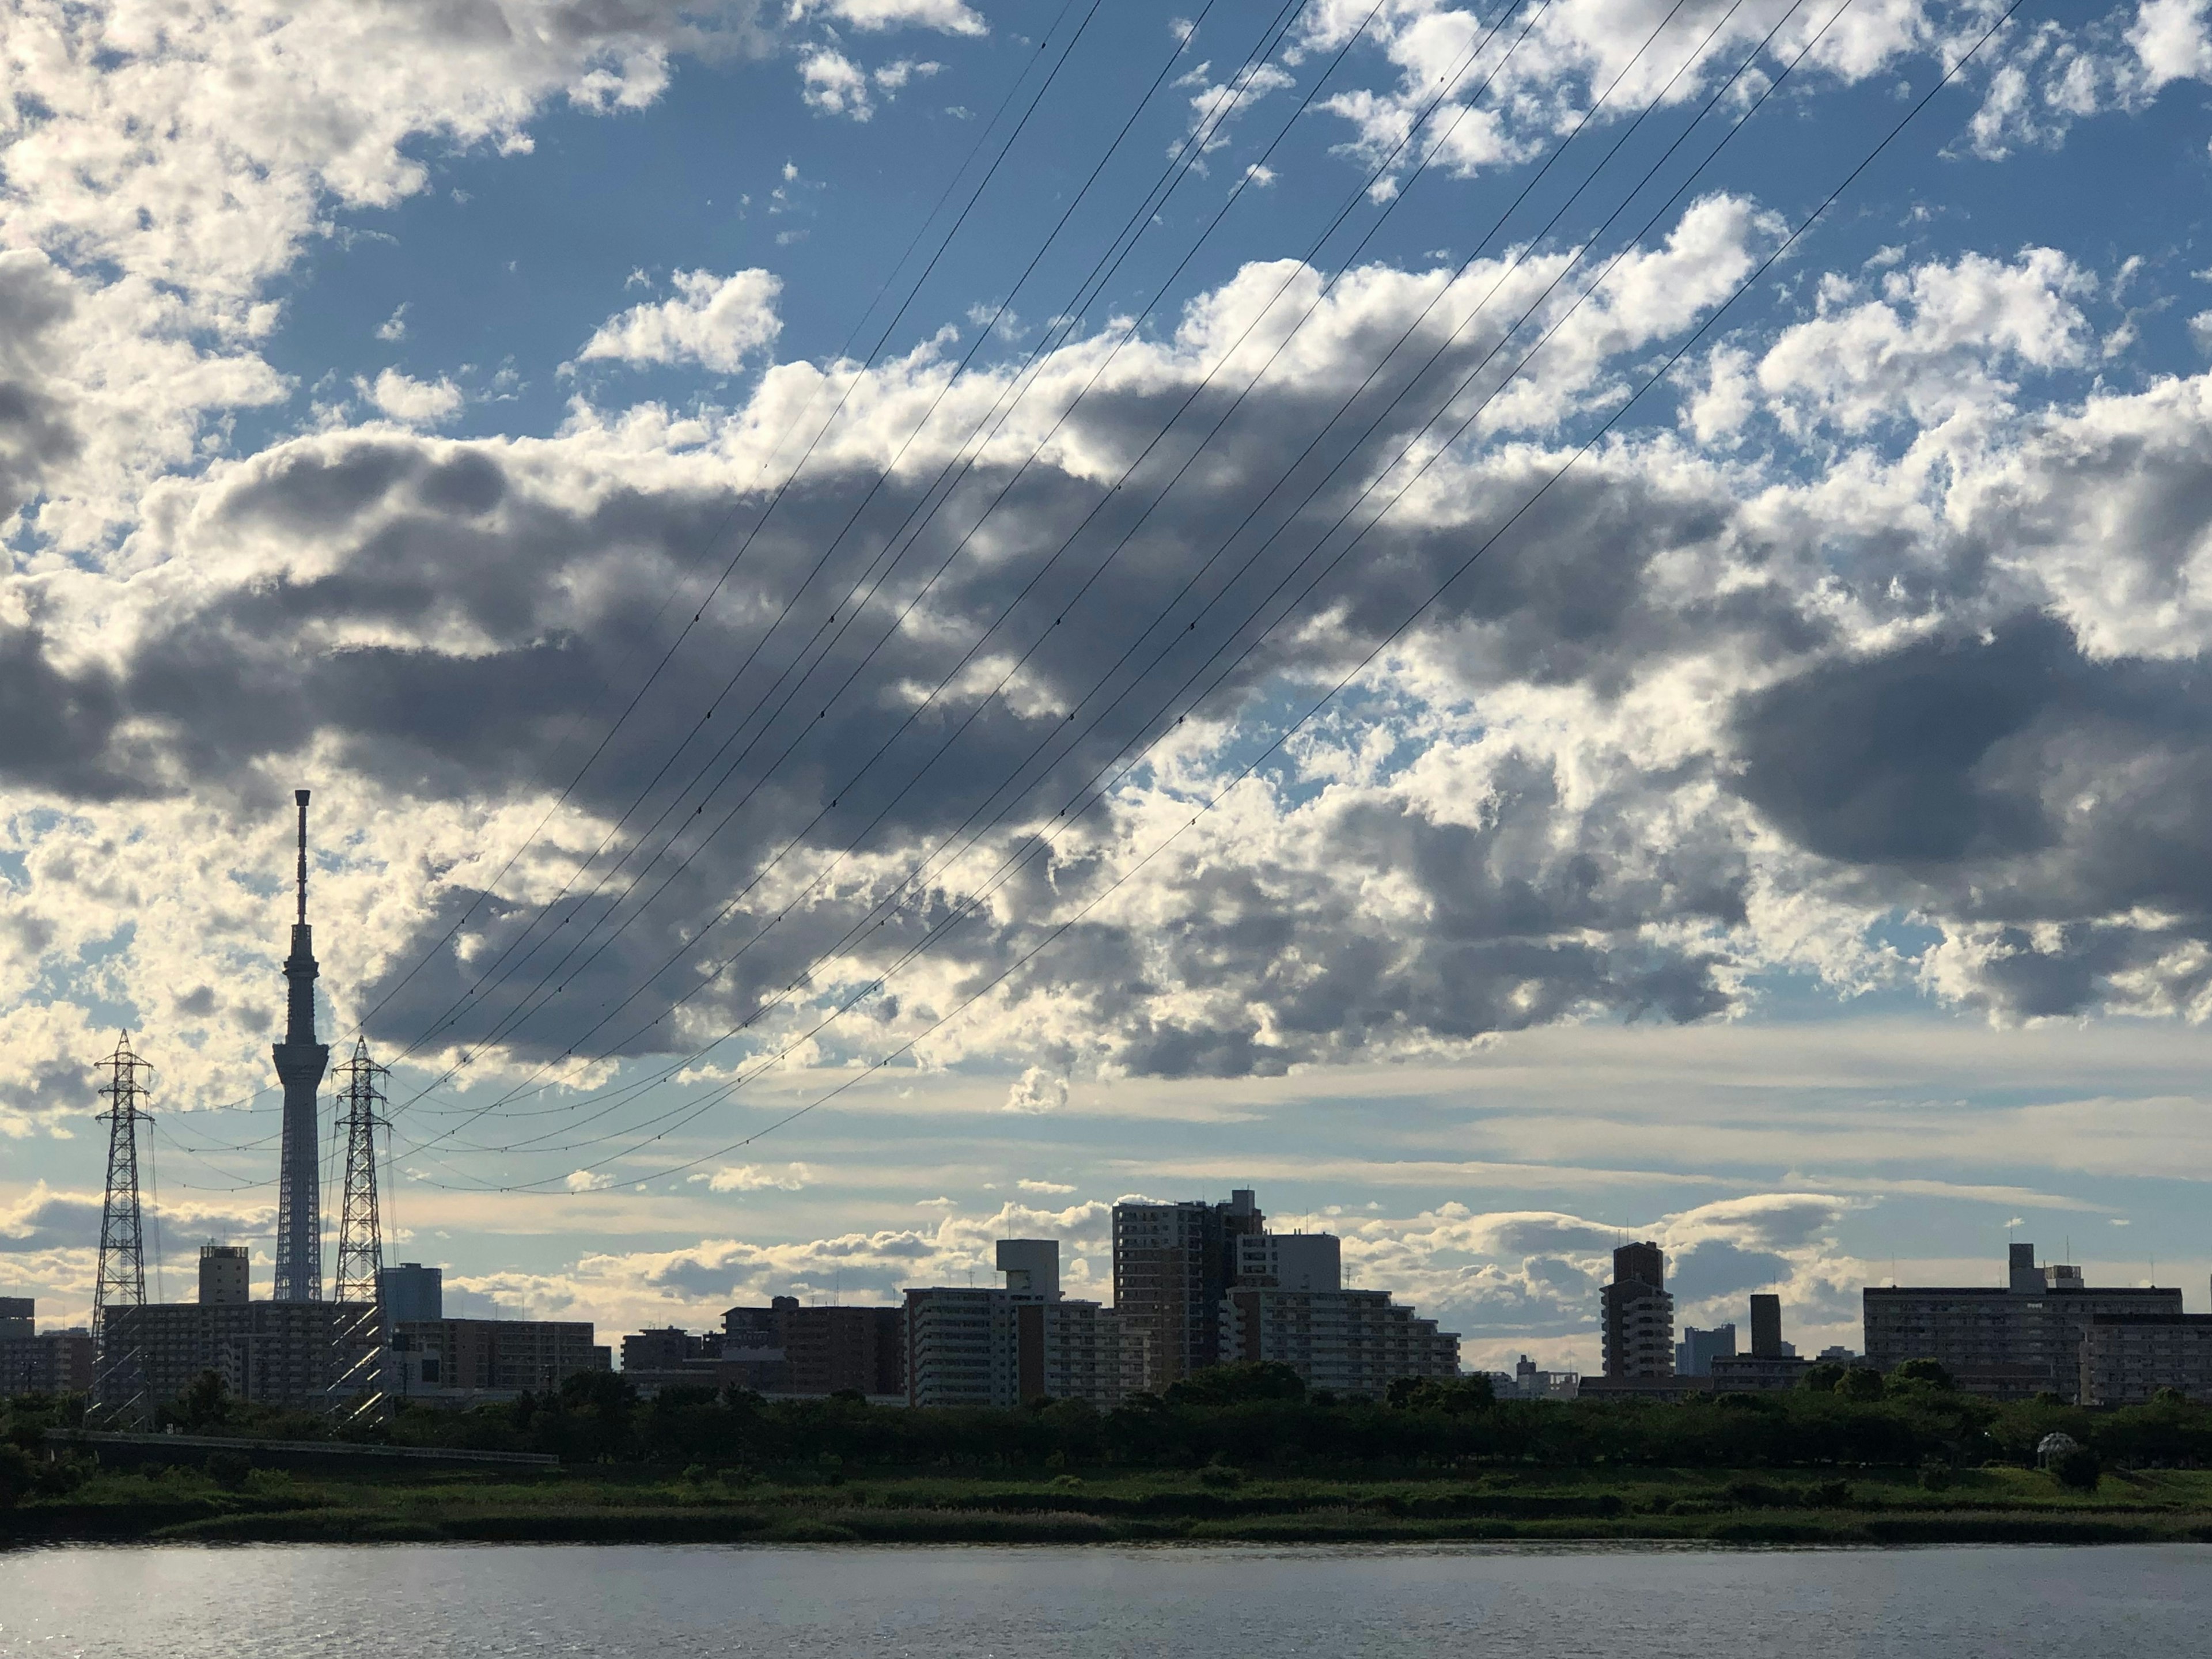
835,84
2171,42
872,16
1037,1090
585,1180
757,1177
418,403
394,327
716,322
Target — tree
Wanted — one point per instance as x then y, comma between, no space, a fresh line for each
1238,1385
1860,1382
1923,1373
1453,1396
206,1403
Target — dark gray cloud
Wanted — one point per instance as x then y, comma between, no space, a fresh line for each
2053,807
36,431
1717,1268
455,611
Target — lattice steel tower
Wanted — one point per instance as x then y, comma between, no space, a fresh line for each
300,1063
122,1278
361,1233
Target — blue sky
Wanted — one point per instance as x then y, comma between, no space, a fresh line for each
1784,840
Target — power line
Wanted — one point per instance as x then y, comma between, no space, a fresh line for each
1180,163
730,517
863,927
1015,860
851,610
1611,421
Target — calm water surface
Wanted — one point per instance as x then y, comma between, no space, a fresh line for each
427,1601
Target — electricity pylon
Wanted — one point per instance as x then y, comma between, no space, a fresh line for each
361,1237
119,1375
357,1330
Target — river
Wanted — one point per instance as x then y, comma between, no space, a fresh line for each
426,1602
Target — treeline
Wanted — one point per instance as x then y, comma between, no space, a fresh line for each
1256,1417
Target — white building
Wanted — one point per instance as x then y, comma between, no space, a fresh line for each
1005,1346
1349,1342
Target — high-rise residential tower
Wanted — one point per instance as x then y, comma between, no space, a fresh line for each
300,1063
1172,1265
1638,1315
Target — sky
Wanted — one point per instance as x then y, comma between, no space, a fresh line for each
1519,625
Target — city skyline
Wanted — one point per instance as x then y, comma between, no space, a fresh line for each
675,484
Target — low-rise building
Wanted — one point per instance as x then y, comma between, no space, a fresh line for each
1772,1363
1531,1384
275,1353
2009,1342
35,1362
2128,1358
459,1359
822,1351
1349,1342
1754,1373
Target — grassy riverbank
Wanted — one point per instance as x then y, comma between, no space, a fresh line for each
598,1505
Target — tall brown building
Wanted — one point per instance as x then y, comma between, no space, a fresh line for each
1173,1263
1638,1315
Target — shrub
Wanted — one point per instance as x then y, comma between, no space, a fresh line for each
15,1475
228,1470
1860,1382
2078,1469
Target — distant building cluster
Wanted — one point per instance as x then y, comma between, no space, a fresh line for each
300,1355
2045,1330
1196,1284
31,1362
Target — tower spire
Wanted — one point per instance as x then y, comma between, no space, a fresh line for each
300,797
300,1063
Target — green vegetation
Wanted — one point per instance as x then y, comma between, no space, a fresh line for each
1239,1453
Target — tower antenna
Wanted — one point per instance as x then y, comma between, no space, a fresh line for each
119,1376
300,1063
